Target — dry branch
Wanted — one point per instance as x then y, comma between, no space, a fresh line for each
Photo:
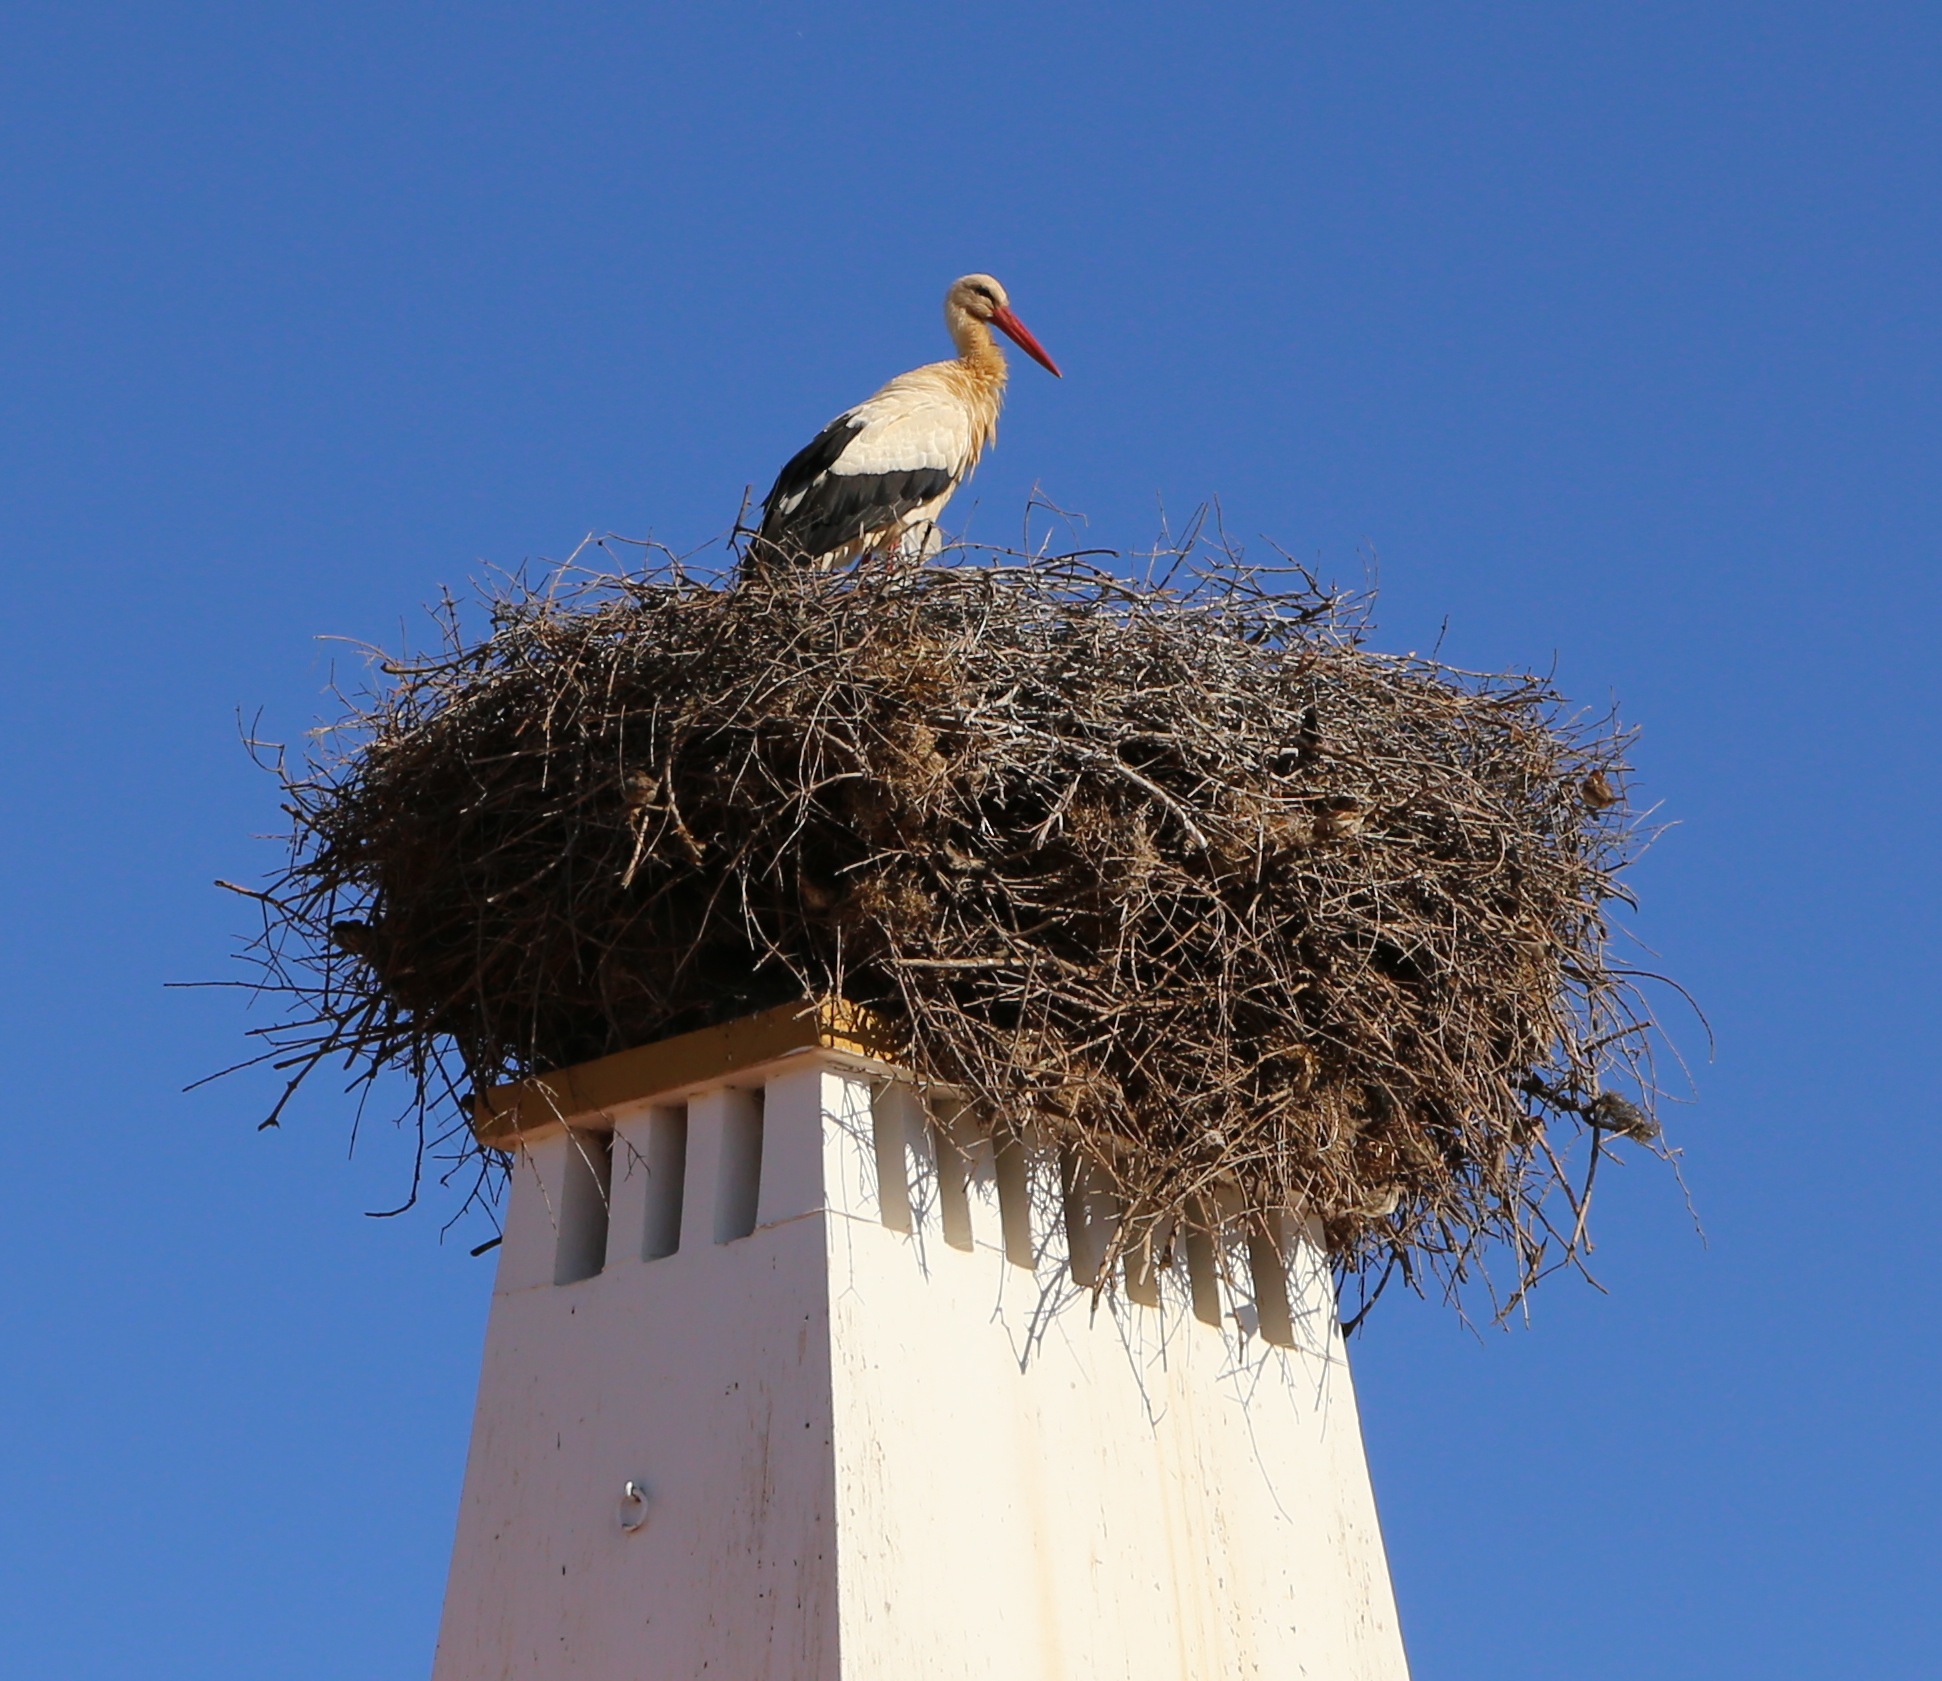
1184,870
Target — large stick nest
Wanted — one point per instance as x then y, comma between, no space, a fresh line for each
1183,872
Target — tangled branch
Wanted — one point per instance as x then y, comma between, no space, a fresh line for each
1179,868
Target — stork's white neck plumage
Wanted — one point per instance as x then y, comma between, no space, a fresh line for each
978,352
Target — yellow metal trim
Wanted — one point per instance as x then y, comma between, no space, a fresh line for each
500,1114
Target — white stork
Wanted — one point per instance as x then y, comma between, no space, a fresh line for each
877,475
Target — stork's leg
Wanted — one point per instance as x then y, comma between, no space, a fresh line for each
918,542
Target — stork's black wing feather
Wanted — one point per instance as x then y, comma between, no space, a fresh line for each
802,470
812,508
841,507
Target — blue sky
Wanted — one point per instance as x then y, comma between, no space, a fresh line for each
1610,330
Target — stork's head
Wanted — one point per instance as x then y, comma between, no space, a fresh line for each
978,297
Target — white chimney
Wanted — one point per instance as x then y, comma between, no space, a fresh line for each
789,1377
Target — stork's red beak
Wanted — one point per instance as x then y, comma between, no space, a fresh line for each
1020,335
